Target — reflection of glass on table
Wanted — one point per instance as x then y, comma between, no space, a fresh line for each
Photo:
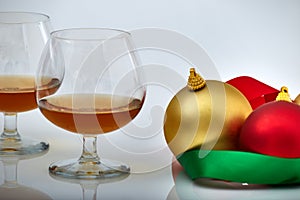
11,189
89,186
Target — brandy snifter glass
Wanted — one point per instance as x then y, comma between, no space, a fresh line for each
88,84
23,36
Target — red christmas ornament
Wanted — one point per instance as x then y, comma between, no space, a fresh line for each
273,129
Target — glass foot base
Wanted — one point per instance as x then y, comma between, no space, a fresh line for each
104,169
25,147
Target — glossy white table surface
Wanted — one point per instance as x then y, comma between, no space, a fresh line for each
153,176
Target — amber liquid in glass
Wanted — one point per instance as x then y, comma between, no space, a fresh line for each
18,92
89,113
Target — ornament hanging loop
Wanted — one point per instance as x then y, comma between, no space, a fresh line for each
283,95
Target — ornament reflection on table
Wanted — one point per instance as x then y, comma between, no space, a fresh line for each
266,136
22,38
201,188
88,83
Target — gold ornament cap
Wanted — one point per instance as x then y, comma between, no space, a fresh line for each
283,95
195,81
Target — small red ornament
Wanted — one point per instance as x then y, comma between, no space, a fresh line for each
273,129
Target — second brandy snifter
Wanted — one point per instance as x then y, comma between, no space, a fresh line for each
23,36
88,84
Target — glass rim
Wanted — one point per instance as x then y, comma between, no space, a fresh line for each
37,17
57,34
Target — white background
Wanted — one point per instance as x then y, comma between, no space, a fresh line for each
258,38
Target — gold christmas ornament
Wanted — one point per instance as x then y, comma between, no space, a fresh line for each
297,100
205,114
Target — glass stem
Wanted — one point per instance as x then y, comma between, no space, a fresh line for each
10,127
89,150
10,171
89,191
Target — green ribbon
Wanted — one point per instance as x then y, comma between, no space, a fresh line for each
238,166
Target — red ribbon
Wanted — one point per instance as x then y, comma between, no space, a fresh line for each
255,91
